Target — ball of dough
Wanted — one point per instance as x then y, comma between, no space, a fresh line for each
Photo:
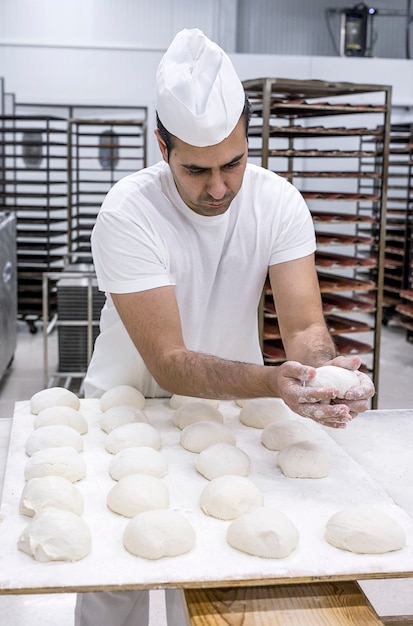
227,497
120,415
304,459
279,435
120,396
55,396
131,435
53,436
192,412
333,376
64,461
135,493
263,532
158,534
138,460
64,415
197,437
240,402
365,530
56,535
50,491
221,459
176,401
259,412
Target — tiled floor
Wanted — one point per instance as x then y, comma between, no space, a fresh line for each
26,376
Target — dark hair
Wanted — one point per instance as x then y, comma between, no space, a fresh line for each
168,137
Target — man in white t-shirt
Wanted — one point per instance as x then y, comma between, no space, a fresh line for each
182,250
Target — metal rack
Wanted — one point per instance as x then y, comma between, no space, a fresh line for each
57,162
398,273
310,132
101,151
405,310
34,186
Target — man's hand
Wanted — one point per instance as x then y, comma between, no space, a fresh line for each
357,398
322,404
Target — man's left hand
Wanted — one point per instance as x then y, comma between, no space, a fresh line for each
357,398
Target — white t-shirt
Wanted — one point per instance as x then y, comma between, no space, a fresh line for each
145,236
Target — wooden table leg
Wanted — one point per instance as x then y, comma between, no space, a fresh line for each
312,604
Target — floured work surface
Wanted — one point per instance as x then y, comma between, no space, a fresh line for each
380,441
308,502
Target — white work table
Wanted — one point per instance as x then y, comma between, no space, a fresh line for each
5,430
379,442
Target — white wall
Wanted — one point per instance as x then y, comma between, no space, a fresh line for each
115,77
313,27
106,52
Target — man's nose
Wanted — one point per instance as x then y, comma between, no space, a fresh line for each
216,186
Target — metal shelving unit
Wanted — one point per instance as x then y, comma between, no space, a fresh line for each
34,186
57,162
398,275
101,151
331,140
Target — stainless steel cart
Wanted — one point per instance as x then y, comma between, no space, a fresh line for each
79,303
8,290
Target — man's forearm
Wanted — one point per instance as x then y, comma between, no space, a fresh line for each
196,374
201,375
313,347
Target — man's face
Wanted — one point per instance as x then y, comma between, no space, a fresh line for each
208,179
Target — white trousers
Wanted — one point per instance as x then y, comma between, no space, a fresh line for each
125,608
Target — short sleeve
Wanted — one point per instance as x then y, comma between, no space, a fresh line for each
128,254
294,237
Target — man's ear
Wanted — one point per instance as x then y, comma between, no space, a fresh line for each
162,146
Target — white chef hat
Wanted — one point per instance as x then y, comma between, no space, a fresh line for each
199,96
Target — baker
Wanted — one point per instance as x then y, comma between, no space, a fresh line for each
182,249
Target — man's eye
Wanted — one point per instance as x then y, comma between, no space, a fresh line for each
231,166
195,172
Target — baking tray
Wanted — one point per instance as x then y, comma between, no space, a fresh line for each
308,503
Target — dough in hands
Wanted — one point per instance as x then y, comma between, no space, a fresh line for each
50,491
365,530
279,435
259,412
64,415
221,459
135,493
263,532
176,401
158,534
53,436
304,459
56,535
138,460
196,437
120,396
120,415
333,376
227,497
55,396
131,435
63,461
192,412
